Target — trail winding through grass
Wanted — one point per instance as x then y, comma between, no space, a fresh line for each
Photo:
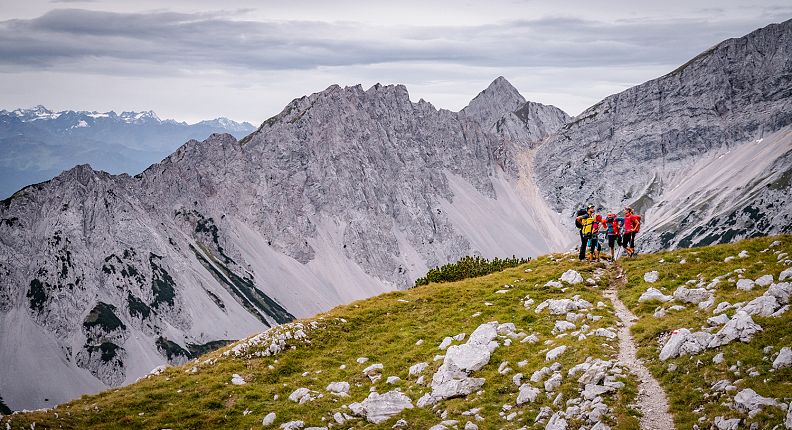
652,401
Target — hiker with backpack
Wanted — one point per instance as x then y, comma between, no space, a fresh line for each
584,223
613,230
594,238
632,225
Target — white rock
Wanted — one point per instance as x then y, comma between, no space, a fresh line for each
378,408
450,381
554,284
652,294
591,391
555,352
788,420
392,380
743,254
540,374
237,380
532,338
562,326
362,360
745,284
652,276
517,379
683,342
301,395
722,307
603,332
727,424
781,311
293,425
338,387
468,357
562,306
339,418
459,337
764,305
426,400
781,291
553,382
728,259
373,372
717,320
786,274
484,334
741,327
269,419
418,368
749,401
784,358
764,281
706,304
556,422
506,329
419,342
571,277
446,342
470,426
693,295
527,394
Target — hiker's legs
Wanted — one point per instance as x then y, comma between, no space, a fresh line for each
611,244
629,242
626,243
583,243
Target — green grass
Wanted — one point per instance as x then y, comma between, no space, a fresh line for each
689,386
386,328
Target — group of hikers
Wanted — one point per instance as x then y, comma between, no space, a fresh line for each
620,232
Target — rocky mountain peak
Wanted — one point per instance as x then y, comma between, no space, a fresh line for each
499,98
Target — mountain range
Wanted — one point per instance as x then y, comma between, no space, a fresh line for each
37,143
350,192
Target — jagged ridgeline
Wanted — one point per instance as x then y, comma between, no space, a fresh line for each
352,192
345,194
469,267
532,346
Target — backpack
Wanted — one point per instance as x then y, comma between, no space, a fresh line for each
579,213
637,221
614,225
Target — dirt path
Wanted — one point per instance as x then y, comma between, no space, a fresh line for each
652,400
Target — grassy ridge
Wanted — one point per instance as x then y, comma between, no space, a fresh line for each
385,329
689,386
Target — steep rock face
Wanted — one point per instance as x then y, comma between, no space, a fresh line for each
503,111
638,146
345,194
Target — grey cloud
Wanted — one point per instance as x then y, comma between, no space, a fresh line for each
70,37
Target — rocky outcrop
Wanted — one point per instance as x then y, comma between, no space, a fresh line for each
378,408
502,110
347,192
660,145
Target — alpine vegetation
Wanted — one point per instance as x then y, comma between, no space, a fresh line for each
285,279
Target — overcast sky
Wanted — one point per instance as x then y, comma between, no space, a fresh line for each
244,59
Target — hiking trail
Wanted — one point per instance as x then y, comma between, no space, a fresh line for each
652,401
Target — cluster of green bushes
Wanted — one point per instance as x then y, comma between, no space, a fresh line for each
469,267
